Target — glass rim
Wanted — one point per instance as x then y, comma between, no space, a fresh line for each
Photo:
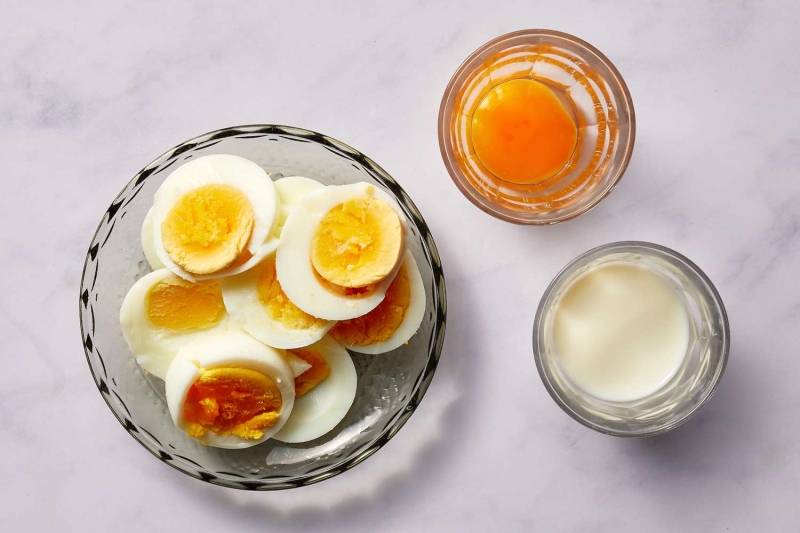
439,298
461,182
608,248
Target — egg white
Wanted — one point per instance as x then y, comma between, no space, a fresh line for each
297,365
323,407
244,304
154,347
227,349
293,261
414,315
291,190
232,170
148,246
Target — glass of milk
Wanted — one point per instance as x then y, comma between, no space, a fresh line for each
631,339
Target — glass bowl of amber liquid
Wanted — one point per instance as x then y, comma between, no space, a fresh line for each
536,127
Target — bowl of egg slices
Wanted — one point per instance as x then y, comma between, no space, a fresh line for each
262,307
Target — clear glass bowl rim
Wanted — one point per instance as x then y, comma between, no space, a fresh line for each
439,299
610,247
461,181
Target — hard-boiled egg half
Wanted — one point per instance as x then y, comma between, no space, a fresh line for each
213,217
396,319
256,300
229,390
340,249
324,392
162,313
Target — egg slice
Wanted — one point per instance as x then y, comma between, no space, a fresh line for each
230,391
325,392
256,300
394,321
213,215
353,229
163,313
291,190
148,246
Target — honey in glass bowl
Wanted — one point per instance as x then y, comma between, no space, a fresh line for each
536,127
522,132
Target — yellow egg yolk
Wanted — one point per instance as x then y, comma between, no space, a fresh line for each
522,133
180,305
232,401
208,228
357,243
320,369
279,307
380,323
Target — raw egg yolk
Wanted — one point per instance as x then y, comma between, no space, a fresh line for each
180,305
208,228
320,369
279,307
357,243
232,401
380,323
522,133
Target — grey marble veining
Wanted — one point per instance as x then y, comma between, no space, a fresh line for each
91,92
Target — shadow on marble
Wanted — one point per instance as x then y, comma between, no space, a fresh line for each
457,373
613,210
715,430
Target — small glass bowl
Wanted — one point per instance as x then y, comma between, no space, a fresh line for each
699,374
390,386
594,93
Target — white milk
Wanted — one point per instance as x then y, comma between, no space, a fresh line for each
620,333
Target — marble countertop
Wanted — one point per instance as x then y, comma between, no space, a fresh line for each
90,92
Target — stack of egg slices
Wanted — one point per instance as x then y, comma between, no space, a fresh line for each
257,289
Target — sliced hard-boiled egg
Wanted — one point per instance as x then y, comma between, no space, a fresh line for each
230,391
324,392
358,242
255,299
148,246
354,233
291,190
213,215
162,313
394,321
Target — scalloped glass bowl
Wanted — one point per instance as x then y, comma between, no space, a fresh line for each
592,90
696,379
390,386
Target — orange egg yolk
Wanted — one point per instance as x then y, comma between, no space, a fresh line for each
232,401
320,369
380,323
522,133
279,307
357,243
180,305
208,228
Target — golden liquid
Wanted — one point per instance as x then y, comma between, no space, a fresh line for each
522,132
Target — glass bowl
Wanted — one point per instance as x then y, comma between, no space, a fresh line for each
390,386
592,90
696,379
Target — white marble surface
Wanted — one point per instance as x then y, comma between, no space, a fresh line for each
92,91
